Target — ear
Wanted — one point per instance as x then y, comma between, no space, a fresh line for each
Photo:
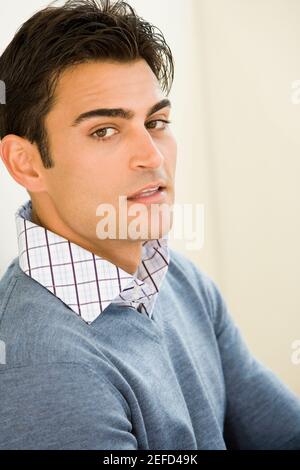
23,162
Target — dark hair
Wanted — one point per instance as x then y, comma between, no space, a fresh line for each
58,37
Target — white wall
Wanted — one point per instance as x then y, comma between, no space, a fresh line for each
238,154
250,57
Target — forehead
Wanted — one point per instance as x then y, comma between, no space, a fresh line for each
107,83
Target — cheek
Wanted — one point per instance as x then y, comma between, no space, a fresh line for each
174,148
170,152
86,185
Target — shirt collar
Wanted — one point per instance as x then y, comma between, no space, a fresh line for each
84,281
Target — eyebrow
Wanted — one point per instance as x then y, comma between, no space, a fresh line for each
119,112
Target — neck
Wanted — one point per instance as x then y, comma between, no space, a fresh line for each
125,254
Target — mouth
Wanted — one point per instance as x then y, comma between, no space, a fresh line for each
150,196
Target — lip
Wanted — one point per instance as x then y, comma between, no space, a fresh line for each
157,197
155,184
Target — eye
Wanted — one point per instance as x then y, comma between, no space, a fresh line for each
164,121
101,131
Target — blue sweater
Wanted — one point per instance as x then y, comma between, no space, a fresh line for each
183,379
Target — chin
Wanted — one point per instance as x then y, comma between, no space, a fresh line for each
154,233
149,228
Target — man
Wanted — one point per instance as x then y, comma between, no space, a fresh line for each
119,342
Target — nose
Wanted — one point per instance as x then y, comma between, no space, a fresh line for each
144,152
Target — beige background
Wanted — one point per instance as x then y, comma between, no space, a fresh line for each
238,154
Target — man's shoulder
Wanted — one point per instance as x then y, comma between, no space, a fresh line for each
182,263
11,271
36,325
188,280
18,291
187,271
7,282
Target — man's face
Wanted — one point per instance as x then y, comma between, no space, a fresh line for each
91,169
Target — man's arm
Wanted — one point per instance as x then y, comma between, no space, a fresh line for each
262,413
62,406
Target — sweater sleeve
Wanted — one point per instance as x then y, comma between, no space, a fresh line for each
62,406
262,412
